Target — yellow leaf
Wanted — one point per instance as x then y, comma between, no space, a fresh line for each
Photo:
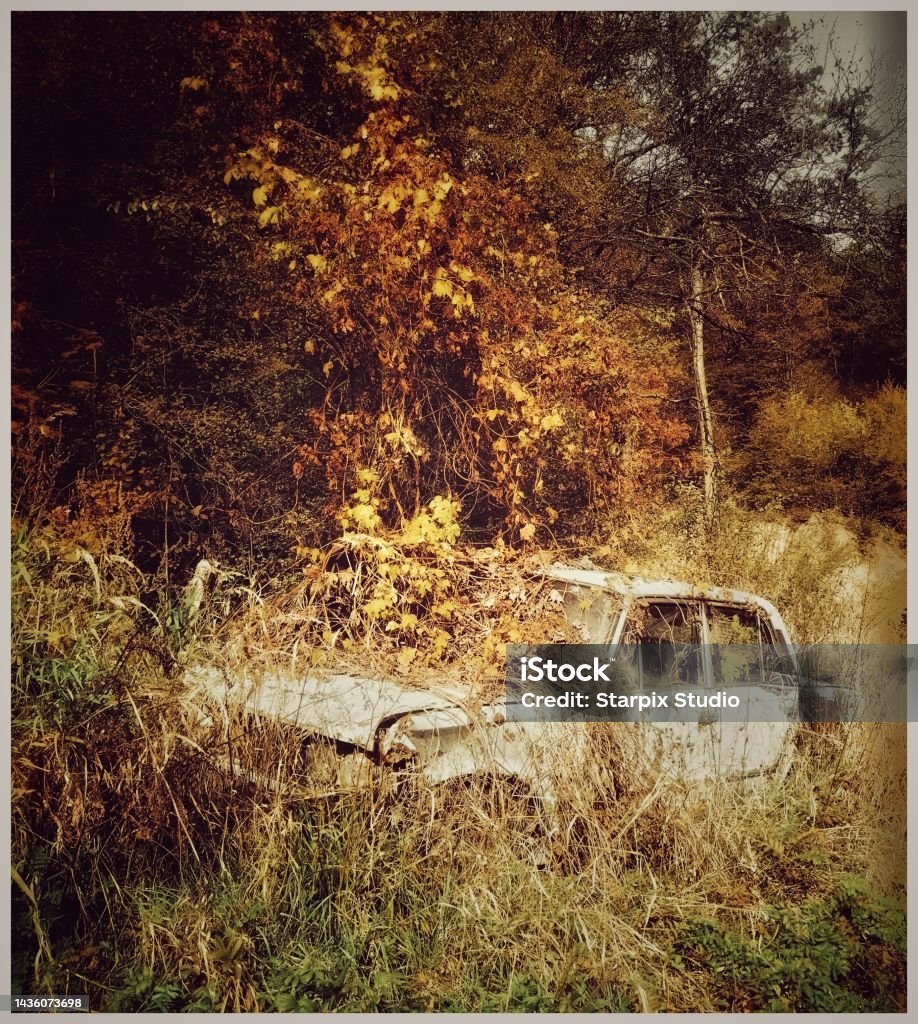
406,656
327,367
259,196
464,274
318,263
421,197
375,608
528,531
269,215
441,642
193,83
309,347
443,287
308,189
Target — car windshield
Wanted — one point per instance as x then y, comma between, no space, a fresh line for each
591,611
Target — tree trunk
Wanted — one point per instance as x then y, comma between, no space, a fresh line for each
705,418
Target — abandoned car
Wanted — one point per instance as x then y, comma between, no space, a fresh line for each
347,726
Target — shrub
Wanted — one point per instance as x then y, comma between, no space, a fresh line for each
826,451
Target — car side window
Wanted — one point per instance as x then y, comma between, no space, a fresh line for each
666,635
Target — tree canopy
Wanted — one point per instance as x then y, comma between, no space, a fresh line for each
276,273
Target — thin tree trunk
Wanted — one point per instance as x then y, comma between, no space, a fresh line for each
705,417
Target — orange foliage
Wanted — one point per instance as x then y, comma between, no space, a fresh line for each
455,354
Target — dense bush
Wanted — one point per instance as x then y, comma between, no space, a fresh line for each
825,451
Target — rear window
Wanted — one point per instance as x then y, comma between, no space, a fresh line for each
743,644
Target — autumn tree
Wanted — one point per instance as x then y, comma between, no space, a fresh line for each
298,284
706,164
458,356
265,262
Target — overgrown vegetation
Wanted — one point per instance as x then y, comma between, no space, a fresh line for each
301,247
147,875
327,330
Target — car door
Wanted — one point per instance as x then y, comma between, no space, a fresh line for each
706,649
745,659
662,640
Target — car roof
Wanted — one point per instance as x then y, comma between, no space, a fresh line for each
637,587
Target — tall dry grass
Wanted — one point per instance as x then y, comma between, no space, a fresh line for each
150,876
